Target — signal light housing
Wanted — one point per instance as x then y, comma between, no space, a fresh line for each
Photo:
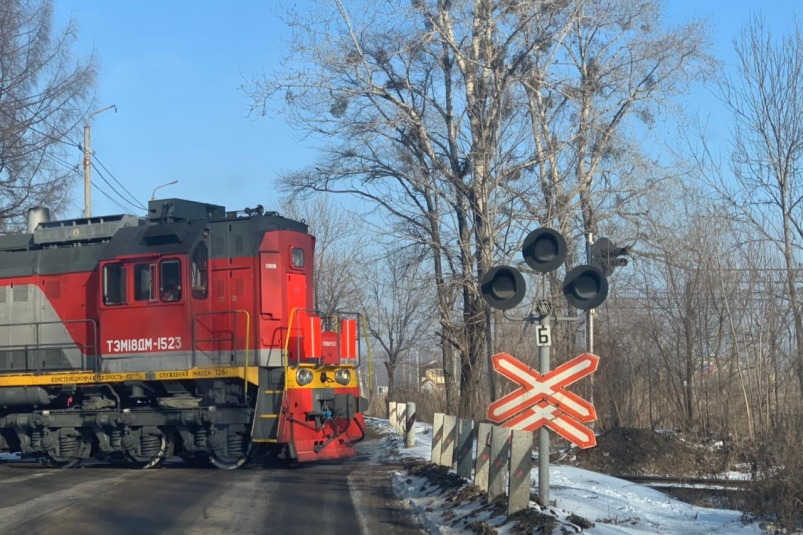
544,250
605,255
585,287
503,287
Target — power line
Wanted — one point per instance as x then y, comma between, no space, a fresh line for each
74,168
123,208
131,196
122,197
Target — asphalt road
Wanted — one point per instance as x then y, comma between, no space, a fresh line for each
351,497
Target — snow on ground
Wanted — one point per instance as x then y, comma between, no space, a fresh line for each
614,505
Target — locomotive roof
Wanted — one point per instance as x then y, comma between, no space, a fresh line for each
173,226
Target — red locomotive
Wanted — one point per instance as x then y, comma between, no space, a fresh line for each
189,332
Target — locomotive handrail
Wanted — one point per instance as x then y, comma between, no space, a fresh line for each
360,318
286,349
232,339
370,354
247,341
83,348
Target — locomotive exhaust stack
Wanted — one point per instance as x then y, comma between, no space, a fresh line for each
189,332
36,215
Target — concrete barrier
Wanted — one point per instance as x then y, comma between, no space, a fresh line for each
449,438
409,427
497,471
465,445
521,465
483,456
437,438
401,417
392,414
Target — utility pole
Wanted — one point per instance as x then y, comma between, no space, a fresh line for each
417,371
88,162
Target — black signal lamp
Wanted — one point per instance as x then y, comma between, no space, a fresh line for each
503,287
544,250
606,255
585,287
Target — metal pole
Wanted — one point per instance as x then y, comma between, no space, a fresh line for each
417,371
590,317
87,173
543,432
589,313
88,161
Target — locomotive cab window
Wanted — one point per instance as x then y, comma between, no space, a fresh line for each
114,285
170,280
144,282
298,258
200,271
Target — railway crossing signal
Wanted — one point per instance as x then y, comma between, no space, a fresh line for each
585,287
544,250
542,400
503,287
605,255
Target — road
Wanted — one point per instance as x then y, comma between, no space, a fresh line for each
351,497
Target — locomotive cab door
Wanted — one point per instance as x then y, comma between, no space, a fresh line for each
144,313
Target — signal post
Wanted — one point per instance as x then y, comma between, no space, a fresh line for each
541,402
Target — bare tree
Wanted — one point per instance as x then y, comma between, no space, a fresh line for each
397,305
44,93
765,97
442,113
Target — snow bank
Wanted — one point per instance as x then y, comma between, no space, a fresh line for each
615,506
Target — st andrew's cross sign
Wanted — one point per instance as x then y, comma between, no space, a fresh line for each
542,400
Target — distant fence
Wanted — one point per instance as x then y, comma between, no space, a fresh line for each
503,460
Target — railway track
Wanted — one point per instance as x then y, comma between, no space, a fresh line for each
684,482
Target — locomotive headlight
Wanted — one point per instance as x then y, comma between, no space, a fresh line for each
303,377
343,377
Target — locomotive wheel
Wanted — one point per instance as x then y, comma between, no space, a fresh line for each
229,463
144,463
83,448
55,462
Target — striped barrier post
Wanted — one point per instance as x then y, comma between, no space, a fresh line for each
409,434
521,464
483,456
392,414
500,451
465,445
449,438
437,438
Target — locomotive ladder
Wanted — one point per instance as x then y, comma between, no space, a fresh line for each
269,405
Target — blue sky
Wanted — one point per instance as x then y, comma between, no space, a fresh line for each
173,68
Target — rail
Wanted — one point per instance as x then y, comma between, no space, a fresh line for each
675,481
86,350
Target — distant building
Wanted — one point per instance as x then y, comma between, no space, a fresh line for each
433,378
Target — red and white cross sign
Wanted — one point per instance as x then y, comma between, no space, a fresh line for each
542,400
